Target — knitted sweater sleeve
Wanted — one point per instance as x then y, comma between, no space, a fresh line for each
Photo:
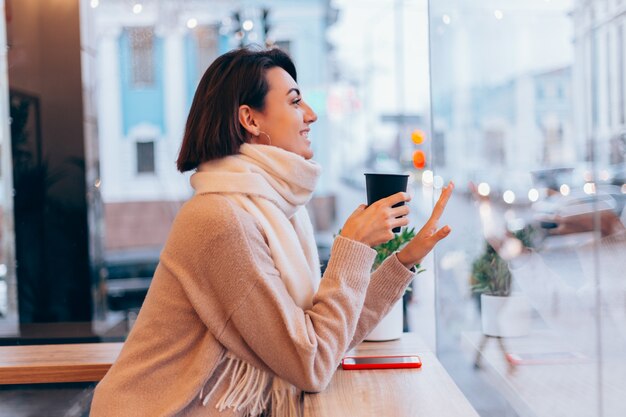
387,285
224,265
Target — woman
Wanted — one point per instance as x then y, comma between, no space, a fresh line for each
236,320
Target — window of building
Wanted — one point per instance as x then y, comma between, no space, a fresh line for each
207,41
142,56
540,91
145,158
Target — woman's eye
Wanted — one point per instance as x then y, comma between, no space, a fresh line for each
297,101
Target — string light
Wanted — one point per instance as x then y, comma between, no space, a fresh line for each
247,25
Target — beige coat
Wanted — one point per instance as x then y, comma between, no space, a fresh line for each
216,288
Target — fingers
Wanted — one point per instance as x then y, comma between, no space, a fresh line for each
441,233
422,244
398,222
393,199
400,211
446,192
442,202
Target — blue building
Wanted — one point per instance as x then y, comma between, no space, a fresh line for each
150,57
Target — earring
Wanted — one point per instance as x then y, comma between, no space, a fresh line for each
269,140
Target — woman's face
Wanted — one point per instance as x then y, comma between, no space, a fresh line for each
286,118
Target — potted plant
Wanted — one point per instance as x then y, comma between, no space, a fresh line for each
392,325
504,313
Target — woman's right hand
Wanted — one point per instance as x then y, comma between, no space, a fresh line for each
373,224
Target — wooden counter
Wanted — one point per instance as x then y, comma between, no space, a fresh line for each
425,392
83,362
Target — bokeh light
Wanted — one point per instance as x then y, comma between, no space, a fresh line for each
564,189
604,175
508,197
247,25
419,159
417,136
484,189
533,194
589,188
427,178
437,182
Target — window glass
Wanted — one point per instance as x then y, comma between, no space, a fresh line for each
142,56
145,158
529,292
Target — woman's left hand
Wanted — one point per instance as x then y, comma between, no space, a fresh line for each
428,236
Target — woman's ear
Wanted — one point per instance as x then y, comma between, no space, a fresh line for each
248,120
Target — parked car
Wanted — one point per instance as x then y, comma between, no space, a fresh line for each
578,203
618,174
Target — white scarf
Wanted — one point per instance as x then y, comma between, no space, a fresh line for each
273,185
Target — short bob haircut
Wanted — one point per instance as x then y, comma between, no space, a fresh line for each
236,78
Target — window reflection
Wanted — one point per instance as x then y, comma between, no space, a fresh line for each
527,97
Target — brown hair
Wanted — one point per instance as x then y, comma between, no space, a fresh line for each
233,79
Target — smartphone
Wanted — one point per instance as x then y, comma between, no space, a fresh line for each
381,362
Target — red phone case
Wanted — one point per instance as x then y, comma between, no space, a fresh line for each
345,364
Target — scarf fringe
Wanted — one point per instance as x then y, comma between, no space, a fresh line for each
252,390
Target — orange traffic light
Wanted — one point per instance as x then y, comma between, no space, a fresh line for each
418,136
419,159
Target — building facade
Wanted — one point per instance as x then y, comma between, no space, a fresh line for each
149,61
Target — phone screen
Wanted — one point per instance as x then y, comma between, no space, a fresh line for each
381,360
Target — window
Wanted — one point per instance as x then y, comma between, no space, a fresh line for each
142,56
609,87
207,41
620,73
145,158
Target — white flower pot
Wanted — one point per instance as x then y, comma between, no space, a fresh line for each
505,316
390,327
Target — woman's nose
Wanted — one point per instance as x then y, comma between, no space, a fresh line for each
309,115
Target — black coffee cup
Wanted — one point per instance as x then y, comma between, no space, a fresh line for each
383,185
